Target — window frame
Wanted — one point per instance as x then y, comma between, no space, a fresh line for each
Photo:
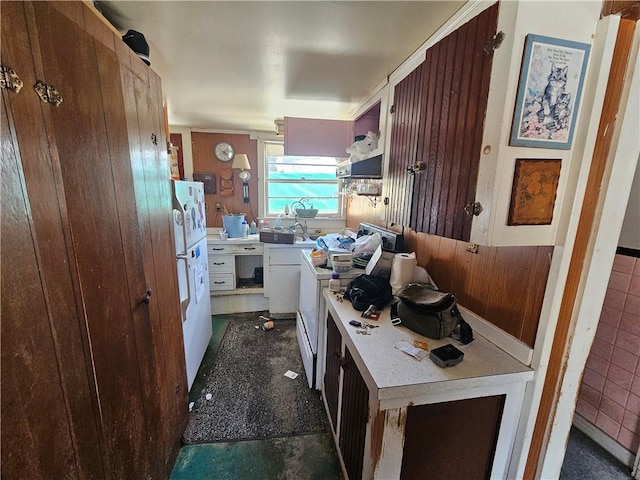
264,186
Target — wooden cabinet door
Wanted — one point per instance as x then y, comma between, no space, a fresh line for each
354,414
470,428
103,228
455,89
152,199
49,414
332,370
48,423
407,112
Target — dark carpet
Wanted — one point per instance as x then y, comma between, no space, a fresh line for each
250,396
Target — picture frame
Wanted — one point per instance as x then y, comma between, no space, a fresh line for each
533,195
209,181
549,92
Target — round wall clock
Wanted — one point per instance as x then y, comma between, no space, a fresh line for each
224,151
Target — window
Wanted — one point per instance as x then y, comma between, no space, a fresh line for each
289,179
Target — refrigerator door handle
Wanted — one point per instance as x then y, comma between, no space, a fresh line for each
177,210
185,303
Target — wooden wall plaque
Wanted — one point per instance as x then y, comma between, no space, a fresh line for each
533,195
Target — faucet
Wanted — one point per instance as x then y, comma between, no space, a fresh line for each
303,229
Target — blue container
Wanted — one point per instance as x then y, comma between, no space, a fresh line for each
233,224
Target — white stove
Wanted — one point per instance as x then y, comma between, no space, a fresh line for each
310,321
391,241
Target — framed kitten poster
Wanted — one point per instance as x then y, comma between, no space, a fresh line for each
549,92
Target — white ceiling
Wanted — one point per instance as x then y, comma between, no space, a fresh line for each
238,65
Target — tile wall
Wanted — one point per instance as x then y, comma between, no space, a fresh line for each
610,392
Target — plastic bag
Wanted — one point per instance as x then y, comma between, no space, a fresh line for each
336,240
367,244
360,149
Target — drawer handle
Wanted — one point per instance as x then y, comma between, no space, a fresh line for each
217,249
219,283
249,248
219,263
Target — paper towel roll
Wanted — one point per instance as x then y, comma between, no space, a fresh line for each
402,270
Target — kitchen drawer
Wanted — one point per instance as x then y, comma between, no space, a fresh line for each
284,256
221,264
235,249
223,281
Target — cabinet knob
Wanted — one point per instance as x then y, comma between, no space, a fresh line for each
342,361
147,297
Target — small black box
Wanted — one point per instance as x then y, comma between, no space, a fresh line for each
446,356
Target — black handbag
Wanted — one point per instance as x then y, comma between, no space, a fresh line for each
366,290
430,312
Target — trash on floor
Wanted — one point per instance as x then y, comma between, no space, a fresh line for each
268,323
208,396
291,375
191,405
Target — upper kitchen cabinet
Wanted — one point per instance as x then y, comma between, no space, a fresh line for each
452,94
371,116
450,124
317,137
331,138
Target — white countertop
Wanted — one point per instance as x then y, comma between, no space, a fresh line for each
323,273
400,379
215,238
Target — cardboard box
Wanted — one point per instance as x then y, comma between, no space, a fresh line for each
380,264
277,237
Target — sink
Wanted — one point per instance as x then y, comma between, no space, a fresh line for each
303,241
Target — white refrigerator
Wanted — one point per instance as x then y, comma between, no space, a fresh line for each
189,228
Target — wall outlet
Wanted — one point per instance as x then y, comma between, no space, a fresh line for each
218,206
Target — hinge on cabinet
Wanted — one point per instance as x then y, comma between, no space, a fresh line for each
416,167
392,109
9,79
47,93
495,42
473,209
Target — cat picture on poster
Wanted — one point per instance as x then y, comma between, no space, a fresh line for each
549,92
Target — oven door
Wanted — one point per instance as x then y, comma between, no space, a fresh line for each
308,358
308,304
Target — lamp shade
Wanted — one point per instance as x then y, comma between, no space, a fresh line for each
241,161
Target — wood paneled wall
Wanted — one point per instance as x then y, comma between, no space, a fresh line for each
438,118
504,285
205,161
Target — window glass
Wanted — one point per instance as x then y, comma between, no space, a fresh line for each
290,179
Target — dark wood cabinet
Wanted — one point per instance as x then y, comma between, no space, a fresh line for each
354,416
347,398
407,105
437,128
332,371
88,364
458,439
